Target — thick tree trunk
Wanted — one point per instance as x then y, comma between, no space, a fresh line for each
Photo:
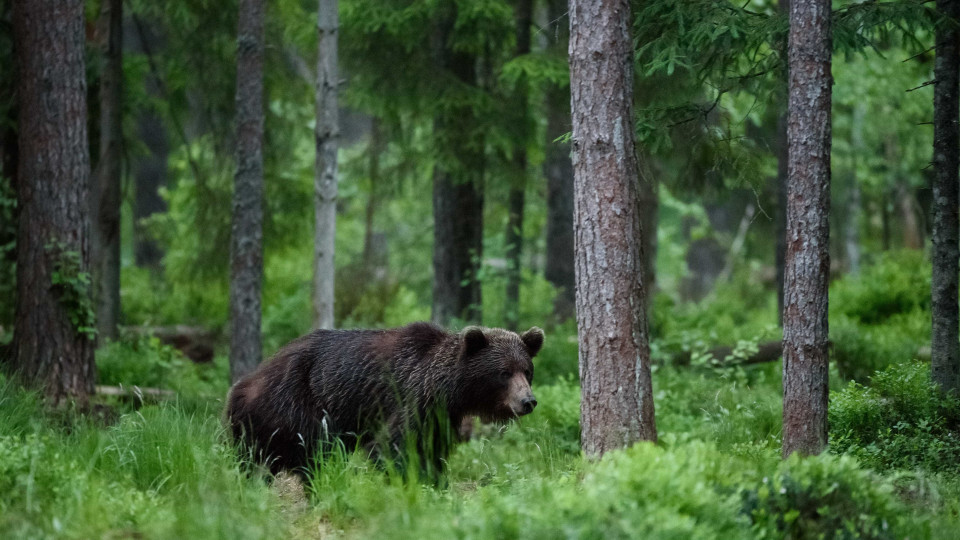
246,240
805,329
617,399
517,196
105,247
649,208
945,343
325,183
49,351
457,196
558,169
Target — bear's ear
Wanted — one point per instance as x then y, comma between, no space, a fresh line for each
532,339
474,340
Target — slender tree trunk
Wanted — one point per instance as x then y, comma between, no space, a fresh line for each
457,195
325,185
945,343
852,234
558,170
150,170
649,208
49,351
517,196
782,157
246,246
617,399
105,248
375,149
805,328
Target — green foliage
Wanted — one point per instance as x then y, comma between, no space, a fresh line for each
882,315
73,287
822,497
900,421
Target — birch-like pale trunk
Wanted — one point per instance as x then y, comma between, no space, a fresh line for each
805,329
246,238
325,180
945,342
617,399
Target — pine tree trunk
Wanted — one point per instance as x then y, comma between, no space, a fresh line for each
325,184
617,401
945,343
105,248
53,196
782,157
852,233
517,196
805,328
457,195
558,170
246,245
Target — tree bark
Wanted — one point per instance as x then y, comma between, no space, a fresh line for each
558,169
49,351
782,158
457,195
325,184
945,342
617,399
246,239
805,328
105,248
852,233
517,195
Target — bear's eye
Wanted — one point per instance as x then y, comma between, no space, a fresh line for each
505,375
528,374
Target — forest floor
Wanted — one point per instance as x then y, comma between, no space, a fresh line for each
166,470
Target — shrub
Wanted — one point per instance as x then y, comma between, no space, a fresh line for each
822,497
881,315
900,421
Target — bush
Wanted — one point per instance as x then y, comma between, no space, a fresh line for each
900,421
880,316
822,497
145,361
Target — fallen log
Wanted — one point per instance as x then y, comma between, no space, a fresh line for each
768,351
196,343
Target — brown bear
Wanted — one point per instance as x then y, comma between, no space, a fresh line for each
386,391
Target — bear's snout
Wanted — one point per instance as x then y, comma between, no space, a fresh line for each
527,405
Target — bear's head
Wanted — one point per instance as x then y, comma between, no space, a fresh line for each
498,369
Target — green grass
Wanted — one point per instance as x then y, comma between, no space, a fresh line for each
166,471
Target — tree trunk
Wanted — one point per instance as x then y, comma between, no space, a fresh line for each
375,149
617,399
150,170
517,196
49,350
457,195
558,170
105,248
782,158
325,183
852,234
945,342
649,208
246,240
805,329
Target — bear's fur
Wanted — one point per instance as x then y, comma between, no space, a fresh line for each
387,391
